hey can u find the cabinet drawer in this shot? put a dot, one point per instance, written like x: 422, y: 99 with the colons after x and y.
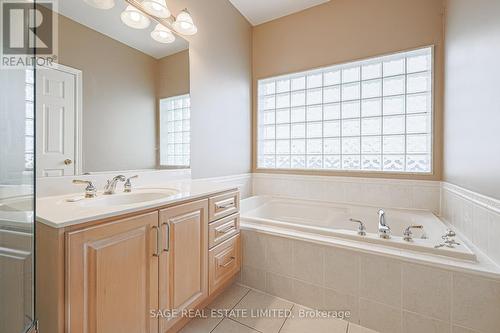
x: 224, y: 262
x: 223, y: 229
x: 223, y: 205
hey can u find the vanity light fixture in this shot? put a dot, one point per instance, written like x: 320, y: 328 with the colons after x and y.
x: 101, y: 4
x: 183, y: 24
x: 157, y: 8
x: 132, y: 17
x: 162, y: 34
x: 140, y: 13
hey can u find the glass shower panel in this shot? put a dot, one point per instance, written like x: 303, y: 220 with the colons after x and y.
x: 16, y: 200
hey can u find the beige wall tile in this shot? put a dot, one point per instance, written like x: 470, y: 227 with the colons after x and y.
x: 308, y: 262
x: 426, y: 197
x: 253, y: 277
x: 494, y: 243
x: 341, y: 270
x: 253, y: 248
x: 335, y: 301
x: 278, y: 285
x: 307, y: 294
x: 415, y: 323
x: 379, y: 317
x: 279, y: 255
x: 380, y: 280
x: 481, y: 230
x: 476, y: 303
x: 427, y: 291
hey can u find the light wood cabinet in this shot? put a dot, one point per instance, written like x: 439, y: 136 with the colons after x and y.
x: 183, y: 263
x: 116, y: 275
x: 112, y: 277
x: 224, y: 262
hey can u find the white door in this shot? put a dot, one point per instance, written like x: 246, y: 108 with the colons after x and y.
x: 56, y: 117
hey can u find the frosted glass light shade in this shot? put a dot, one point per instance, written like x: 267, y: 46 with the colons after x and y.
x: 156, y: 8
x: 162, y: 34
x: 132, y: 17
x: 101, y: 4
x: 184, y: 24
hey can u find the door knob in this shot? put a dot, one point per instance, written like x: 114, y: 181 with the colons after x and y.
x: 68, y: 161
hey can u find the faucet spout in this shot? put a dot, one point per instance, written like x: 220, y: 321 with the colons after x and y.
x: 384, y: 231
x: 111, y: 185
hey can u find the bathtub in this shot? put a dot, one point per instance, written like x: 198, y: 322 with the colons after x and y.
x: 333, y: 220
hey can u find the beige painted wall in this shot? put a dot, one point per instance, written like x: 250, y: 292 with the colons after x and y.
x: 472, y: 99
x: 119, y: 99
x: 173, y: 75
x: 345, y: 30
x: 220, y: 80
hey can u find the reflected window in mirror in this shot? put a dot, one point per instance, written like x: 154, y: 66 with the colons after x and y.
x: 175, y: 134
x: 29, y: 120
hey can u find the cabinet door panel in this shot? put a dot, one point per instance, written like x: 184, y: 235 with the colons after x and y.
x: 112, y: 277
x: 183, y: 263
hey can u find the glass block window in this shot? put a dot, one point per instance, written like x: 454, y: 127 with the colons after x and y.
x: 370, y: 115
x: 175, y: 115
x: 29, y: 141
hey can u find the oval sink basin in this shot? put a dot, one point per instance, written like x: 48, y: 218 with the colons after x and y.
x: 139, y: 196
x: 19, y: 204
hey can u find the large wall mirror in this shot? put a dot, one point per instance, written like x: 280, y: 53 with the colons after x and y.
x: 118, y: 100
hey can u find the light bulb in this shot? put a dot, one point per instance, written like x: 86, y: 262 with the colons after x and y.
x: 184, y: 24
x: 133, y: 18
x: 156, y: 8
x: 162, y: 34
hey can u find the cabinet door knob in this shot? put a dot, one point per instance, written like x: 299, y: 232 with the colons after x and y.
x: 68, y: 161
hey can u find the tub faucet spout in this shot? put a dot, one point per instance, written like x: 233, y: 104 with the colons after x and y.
x: 384, y: 231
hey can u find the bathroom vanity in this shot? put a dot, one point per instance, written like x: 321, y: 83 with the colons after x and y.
x: 134, y: 267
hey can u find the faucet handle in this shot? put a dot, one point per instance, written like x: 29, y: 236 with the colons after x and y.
x: 90, y: 190
x: 407, y: 234
x: 361, y: 228
x: 128, y: 184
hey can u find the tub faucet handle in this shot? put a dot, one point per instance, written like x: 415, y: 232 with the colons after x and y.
x: 449, y: 234
x: 361, y: 228
x: 407, y: 234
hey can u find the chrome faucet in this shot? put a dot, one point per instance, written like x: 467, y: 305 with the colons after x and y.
x: 127, y: 187
x: 361, y: 227
x: 111, y: 184
x: 384, y: 231
x: 90, y: 190
x: 407, y: 234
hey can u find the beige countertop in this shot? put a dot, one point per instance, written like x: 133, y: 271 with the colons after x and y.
x: 57, y: 212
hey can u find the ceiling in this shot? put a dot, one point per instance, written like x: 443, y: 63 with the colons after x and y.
x: 108, y: 22
x: 260, y: 11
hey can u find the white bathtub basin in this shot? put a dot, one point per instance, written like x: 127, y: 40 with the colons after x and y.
x: 332, y: 219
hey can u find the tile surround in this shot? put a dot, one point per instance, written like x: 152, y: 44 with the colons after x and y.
x: 387, y: 193
x: 384, y: 294
x: 475, y: 216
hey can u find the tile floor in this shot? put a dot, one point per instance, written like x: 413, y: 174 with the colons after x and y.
x: 241, y: 300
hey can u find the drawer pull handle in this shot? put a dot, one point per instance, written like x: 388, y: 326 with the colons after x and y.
x: 158, y: 241
x: 227, y: 263
x: 224, y: 205
x: 167, y: 245
x: 225, y: 230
